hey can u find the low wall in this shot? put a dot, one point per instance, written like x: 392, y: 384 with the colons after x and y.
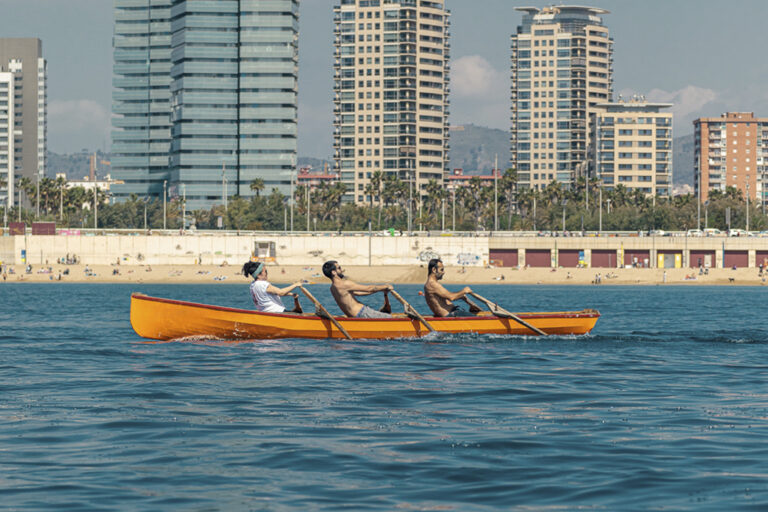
x: 312, y: 250
x: 216, y: 249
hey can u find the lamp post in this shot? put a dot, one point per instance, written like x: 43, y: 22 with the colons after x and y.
x: 565, y: 201
x: 165, y: 186
x: 453, y: 193
x: 224, y: 191
x: 293, y: 172
x: 95, y: 206
x: 37, y: 197
x: 706, y: 214
x: 600, y: 214
x: 5, y: 213
x: 495, y: 194
x: 747, y: 223
x: 183, y: 206
x: 307, y: 192
x: 410, y: 198
x: 145, y: 213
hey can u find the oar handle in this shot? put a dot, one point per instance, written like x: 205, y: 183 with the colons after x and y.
x: 499, y: 311
x: 325, y: 312
x: 411, y: 308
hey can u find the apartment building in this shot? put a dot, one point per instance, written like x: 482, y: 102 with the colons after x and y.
x: 206, y: 97
x: 562, y: 68
x: 631, y: 145
x: 7, y: 175
x: 728, y: 152
x: 390, y: 92
x: 23, y: 112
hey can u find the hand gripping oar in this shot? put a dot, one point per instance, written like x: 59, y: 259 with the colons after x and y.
x: 503, y: 313
x: 325, y: 312
x: 409, y: 308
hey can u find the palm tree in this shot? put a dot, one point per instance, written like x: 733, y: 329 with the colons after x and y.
x: 509, y: 189
x: 257, y: 185
x: 376, y: 180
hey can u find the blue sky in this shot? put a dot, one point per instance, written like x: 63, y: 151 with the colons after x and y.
x: 705, y: 56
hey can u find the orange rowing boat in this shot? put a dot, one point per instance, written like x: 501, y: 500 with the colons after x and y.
x: 166, y: 319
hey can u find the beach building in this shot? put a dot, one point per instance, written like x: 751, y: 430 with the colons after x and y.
x: 562, y: 68
x: 313, y: 178
x: 213, y: 85
x: 23, y: 113
x: 631, y: 145
x: 728, y: 152
x: 391, y: 64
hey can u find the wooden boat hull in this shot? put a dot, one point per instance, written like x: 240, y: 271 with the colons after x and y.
x: 166, y: 319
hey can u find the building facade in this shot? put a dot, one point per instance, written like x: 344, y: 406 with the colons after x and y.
x: 391, y: 65
x: 562, y: 67
x: 631, y: 145
x: 219, y: 105
x: 7, y: 189
x: 23, y: 113
x: 141, y: 138
x: 728, y: 152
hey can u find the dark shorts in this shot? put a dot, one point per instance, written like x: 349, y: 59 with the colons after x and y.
x: 457, y: 312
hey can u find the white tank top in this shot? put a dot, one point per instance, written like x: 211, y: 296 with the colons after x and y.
x: 267, y: 302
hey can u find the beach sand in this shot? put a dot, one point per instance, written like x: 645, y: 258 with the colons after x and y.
x: 416, y: 274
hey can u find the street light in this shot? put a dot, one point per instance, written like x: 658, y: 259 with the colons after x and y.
x: 165, y: 186
x: 495, y: 194
x: 565, y: 201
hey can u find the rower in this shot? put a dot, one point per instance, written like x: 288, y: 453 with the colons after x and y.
x: 266, y: 297
x: 440, y: 300
x: 345, y: 290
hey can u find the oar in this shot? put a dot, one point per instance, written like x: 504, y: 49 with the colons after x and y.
x: 325, y: 312
x: 501, y: 312
x: 412, y: 310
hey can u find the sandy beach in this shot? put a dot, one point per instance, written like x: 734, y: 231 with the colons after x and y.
x: 214, y: 274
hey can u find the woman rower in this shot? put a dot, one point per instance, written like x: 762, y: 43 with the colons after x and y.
x: 266, y: 297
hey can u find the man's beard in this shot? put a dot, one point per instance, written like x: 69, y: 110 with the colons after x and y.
x: 341, y: 276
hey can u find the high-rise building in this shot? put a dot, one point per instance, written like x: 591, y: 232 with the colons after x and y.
x: 631, y: 145
x: 141, y: 95
x: 6, y: 140
x: 23, y: 118
x: 219, y: 105
x: 562, y: 67
x: 728, y: 152
x: 390, y: 92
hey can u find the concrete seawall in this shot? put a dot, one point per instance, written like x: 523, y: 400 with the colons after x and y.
x: 214, y: 249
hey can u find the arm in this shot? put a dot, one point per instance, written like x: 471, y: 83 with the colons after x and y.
x: 359, y: 290
x: 283, y: 291
x: 441, y: 292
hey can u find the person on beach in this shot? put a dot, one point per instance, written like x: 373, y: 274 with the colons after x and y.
x: 345, y: 290
x: 440, y: 300
x: 266, y: 297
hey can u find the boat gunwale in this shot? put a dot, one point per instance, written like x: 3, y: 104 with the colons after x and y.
x: 575, y: 314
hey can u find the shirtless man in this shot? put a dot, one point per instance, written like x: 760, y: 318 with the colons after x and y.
x: 345, y: 290
x: 440, y: 300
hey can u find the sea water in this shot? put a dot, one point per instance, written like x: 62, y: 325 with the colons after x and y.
x: 664, y: 406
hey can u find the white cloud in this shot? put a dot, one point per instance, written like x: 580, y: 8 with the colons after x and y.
x: 688, y: 100
x: 78, y: 114
x: 475, y: 77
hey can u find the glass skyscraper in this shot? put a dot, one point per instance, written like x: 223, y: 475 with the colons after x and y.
x: 230, y: 99
x: 141, y: 139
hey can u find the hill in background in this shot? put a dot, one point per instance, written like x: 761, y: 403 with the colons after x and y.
x: 473, y: 149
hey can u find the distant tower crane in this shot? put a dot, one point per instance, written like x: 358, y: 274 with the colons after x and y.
x: 93, y: 166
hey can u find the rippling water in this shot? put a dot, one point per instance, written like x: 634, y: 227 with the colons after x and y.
x: 664, y: 406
